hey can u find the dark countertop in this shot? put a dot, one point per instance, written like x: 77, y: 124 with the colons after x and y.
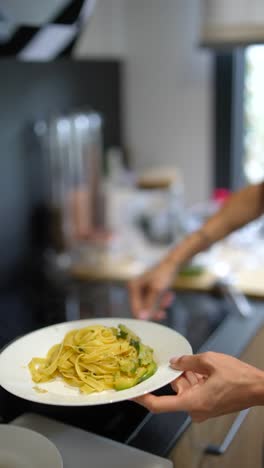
x: 161, y: 432
x: 21, y: 312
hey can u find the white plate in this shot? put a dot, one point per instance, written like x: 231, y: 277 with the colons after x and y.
x: 24, y: 448
x: 15, y: 376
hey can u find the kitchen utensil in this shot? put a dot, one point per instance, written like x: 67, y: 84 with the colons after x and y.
x: 72, y: 152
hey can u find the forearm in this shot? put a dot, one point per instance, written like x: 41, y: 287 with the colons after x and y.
x: 242, y: 207
x: 257, y: 389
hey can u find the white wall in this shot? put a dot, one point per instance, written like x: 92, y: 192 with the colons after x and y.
x: 105, y: 33
x: 167, y: 89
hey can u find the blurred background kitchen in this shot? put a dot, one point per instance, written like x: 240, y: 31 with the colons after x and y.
x: 124, y: 124
x: 128, y: 121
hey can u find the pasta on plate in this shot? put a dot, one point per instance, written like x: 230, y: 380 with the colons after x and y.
x: 96, y: 358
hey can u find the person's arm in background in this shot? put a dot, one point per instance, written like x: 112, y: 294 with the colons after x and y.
x: 241, y: 208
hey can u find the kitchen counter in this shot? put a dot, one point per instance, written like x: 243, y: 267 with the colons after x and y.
x: 130, y: 251
x: 76, y: 445
x: 249, y: 281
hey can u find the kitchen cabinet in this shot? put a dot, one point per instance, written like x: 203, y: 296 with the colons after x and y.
x: 247, y: 447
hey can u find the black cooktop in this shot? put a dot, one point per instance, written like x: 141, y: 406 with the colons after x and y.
x: 196, y: 317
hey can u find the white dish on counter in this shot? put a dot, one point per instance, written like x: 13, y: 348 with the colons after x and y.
x: 80, y: 448
x: 24, y: 448
x: 16, y: 379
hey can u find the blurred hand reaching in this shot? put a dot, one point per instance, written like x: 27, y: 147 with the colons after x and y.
x: 149, y: 295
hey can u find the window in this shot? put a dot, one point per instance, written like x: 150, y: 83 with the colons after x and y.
x: 239, y: 117
x: 253, y: 135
